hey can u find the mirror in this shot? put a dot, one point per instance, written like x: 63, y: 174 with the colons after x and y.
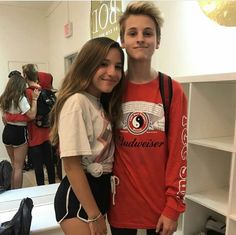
x: 23, y: 40
x: 37, y: 32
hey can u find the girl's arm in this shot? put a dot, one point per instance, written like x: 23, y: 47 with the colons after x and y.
x: 4, y: 120
x: 33, y: 109
x: 81, y: 188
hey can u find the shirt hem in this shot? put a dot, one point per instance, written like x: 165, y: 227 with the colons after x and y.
x: 132, y: 226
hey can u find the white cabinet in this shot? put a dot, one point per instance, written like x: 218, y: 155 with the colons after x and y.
x: 211, y: 182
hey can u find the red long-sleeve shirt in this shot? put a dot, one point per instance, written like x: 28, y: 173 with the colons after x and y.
x: 151, y: 167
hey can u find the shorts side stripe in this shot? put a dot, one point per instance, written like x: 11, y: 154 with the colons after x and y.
x: 67, y: 204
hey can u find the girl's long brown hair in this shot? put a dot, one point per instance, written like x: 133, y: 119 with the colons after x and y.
x: 13, y: 92
x: 80, y: 77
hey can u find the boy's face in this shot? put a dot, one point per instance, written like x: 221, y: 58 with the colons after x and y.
x: 140, y: 38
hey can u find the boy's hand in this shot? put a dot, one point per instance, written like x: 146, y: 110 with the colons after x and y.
x: 166, y: 226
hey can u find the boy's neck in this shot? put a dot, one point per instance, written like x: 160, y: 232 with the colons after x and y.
x: 140, y: 72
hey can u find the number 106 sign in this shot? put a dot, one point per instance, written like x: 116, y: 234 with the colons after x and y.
x: 104, y: 18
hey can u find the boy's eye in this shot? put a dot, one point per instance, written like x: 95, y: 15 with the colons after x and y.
x: 148, y: 33
x: 132, y: 33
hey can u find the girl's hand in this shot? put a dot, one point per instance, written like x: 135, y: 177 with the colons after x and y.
x: 98, y: 227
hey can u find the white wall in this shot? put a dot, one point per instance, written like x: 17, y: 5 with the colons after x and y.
x: 23, y: 39
x: 61, y: 46
x: 191, y: 43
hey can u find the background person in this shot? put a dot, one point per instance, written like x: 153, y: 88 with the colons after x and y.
x: 14, y: 135
x: 40, y: 149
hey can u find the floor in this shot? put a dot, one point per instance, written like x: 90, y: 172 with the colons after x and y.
x: 29, y: 178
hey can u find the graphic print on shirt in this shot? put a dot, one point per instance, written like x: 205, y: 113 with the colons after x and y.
x: 140, y: 117
x: 105, y: 139
x: 183, y: 169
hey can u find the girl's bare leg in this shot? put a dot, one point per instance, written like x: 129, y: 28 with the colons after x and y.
x: 75, y: 226
x: 10, y: 152
x: 19, y: 159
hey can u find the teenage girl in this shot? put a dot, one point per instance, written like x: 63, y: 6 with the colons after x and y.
x: 14, y: 101
x: 85, y: 114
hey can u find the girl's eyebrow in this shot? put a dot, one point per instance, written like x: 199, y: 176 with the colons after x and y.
x: 107, y: 60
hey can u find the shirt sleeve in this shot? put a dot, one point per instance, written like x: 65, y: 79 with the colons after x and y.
x: 74, y: 128
x: 176, y: 169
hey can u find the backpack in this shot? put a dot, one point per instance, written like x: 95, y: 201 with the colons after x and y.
x: 45, y: 102
x: 166, y: 90
x: 5, y: 175
x: 21, y: 222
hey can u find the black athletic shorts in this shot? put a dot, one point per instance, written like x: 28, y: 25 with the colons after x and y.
x: 68, y: 206
x: 14, y: 135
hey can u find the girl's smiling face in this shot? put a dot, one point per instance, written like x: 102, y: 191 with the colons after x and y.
x: 108, y: 74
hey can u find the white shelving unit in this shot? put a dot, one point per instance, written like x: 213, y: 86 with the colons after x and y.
x: 211, y: 181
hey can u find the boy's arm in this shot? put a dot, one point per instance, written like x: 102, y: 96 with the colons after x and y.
x: 176, y: 168
x: 9, y: 117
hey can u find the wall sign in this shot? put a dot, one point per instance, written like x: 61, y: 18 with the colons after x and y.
x: 104, y: 17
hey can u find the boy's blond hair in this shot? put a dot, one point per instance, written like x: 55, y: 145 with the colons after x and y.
x: 142, y: 8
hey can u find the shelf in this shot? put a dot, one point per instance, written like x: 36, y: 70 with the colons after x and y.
x: 211, y: 151
x: 10, y: 199
x: 228, y: 77
x: 220, y: 143
x: 216, y: 200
